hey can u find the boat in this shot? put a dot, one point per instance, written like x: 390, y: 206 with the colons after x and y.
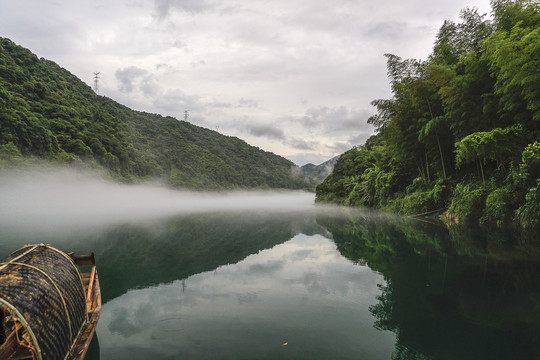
x: 50, y: 301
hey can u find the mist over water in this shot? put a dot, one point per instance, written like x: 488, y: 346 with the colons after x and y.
x: 63, y: 198
x: 208, y: 275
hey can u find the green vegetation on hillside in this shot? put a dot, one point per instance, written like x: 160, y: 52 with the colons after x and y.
x: 47, y: 113
x: 461, y: 132
x: 315, y: 174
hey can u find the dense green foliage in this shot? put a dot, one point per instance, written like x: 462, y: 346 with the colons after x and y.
x: 462, y: 130
x: 47, y: 113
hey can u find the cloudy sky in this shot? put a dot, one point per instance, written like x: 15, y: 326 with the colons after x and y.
x: 295, y: 77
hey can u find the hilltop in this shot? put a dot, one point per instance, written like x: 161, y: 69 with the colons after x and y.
x: 48, y: 113
x: 315, y: 174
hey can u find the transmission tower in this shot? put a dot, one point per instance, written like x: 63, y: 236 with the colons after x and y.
x: 186, y: 114
x: 96, y: 79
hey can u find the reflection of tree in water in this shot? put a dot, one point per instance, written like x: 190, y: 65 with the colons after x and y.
x: 136, y: 256
x: 480, y: 301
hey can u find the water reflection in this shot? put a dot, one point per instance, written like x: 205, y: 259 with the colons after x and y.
x: 330, y: 284
x: 142, y: 254
x: 301, y: 292
x: 447, y: 296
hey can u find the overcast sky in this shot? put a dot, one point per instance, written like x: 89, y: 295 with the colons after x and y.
x: 295, y: 77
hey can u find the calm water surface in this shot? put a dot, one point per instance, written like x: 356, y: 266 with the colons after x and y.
x: 310, y: 284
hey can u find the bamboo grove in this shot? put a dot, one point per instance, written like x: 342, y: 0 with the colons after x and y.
x: 460, y: 134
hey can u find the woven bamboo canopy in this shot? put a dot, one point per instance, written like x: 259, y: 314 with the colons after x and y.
x: 42, y: 290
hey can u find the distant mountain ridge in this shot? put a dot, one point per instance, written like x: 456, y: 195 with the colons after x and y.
x: 48, y: 113
x: 315, y: 174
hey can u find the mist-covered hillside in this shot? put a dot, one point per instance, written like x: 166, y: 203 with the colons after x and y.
x: 48, y: 113
x: 315, y: 174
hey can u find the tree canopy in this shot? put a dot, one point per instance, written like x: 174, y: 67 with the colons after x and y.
x: 460, y: 128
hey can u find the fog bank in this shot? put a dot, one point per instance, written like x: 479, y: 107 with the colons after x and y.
x: 70, y: 198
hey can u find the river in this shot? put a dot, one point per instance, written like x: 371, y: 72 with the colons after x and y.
x: 270, y: 280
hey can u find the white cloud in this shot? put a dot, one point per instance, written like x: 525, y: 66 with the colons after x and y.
x: 128, y: 76
x: 265, y: 130
x: 302, y: 144
x: 164, y: 7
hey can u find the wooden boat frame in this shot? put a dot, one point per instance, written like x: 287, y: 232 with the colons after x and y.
x: 93, y: 307
x: 12, y: 349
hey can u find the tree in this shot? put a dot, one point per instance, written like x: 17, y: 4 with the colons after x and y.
x: 513, y: 54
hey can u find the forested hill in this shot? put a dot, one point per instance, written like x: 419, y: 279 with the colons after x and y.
x: 48, y: 113
x: 461, y: 133
x: 315, y: 174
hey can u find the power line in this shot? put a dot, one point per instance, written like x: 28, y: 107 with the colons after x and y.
x: 96, y: 79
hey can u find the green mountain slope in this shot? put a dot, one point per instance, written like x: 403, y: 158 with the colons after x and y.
x: 48, y: 113
x: 315, y: 174
x: 461, y: 133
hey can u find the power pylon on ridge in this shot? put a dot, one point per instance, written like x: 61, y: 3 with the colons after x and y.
x: 186, y: 114
x: 96, y: 79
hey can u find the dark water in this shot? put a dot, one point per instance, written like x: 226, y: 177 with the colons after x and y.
x: 305, y: 285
